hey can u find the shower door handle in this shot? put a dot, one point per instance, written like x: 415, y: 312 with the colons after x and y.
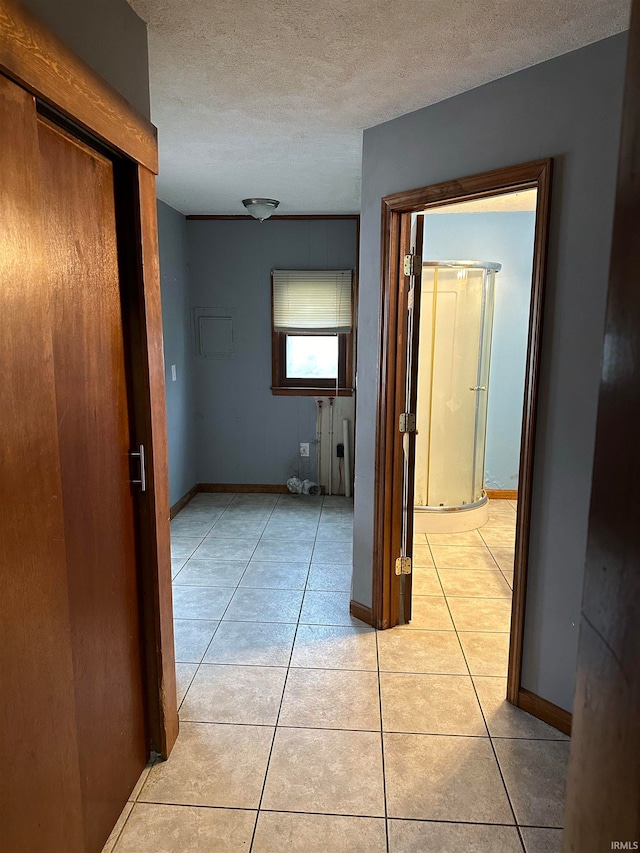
x: 477, y: 387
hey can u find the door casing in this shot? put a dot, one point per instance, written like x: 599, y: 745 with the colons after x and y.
x: 388, y: 468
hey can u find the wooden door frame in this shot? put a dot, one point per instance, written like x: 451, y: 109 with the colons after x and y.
x: 385, y: 598
x: 34, y: 58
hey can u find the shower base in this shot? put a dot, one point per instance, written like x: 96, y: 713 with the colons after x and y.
x: 451, y: 519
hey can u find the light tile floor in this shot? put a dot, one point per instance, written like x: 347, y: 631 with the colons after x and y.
x: 304, y: 730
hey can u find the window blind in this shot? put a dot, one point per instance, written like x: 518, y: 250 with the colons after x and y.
x: 312, y: 301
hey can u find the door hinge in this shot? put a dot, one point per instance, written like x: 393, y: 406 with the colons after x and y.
x: 407, y: 422
x: 403, y: 566
x: 412, y: 264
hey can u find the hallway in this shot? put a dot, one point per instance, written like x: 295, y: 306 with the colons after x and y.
x: 302, y: 729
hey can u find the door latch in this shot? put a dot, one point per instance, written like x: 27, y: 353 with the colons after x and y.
x: 407, y: 422
x: 139, y: 454
x: 403, y: 566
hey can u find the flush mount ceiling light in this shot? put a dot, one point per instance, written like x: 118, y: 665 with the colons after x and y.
x: 260, y: 208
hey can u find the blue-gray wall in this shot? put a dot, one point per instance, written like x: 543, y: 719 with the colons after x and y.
x: 108, y: 36
x: 508, y: 239
x: 568, y: 109
x: 245, y: 434
x: 178, y: 351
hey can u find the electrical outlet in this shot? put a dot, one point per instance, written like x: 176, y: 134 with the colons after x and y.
x: 174, y: 374
x: 304, y: 448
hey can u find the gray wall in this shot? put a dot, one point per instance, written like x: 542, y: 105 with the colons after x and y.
x: 109, y: 36
x: 178, y: 351
x: 244, y: 433
x: 569, y: 109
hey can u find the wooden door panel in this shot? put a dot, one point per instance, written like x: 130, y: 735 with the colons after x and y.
x: 603, y: 788
x: 94, y: 441
x: 411, y: 405
x: 38, y: 752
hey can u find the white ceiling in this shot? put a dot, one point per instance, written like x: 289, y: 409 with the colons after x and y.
x: 270, y: 97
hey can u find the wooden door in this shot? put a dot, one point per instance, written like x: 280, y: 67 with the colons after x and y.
x: 603, y: 793
x: 38, y: 738
x: 412, y: 239
x: 73, y: 715
x: 94, y: 438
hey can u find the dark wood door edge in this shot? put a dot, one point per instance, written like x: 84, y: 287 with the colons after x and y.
x: 544, y: 710
x: 35, y: 58
x: 361, y: 612
x: 534, y: 175
x: 603, y: 786
x: 184, y: 500
x: 151, y: 426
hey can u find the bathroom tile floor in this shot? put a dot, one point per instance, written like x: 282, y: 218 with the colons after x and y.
x: 304, y: 730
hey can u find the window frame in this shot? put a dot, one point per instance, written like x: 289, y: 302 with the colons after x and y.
x: 292, y: 386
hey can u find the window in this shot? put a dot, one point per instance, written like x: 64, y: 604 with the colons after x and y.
x: 312, y: 331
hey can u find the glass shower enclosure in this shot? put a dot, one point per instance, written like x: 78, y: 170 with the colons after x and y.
x: 456, y: 323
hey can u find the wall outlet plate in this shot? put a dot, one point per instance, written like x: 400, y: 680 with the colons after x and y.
x: 304, y: 448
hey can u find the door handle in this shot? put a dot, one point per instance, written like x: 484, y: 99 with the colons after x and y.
x: 477, y: 387
x: 139, y: 454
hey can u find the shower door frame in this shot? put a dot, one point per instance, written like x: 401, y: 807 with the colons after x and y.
x: 388, y: 473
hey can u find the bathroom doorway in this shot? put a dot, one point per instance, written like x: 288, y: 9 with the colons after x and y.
x: 458, y: 397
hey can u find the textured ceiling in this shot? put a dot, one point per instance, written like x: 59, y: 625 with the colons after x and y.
x: 270, y: 97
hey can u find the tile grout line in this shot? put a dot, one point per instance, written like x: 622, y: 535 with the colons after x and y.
x: 493, y: 750
x: 484, y: 719
x: 213, y: 524
x: 495, y: 755
x: 284, y: 687
x: 126, y: 821
x: 201, y: 661
x: 384, y: 773
x: 386, y: 731
x: 342, y: 814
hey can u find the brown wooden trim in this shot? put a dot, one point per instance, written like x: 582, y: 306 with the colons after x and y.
x: 311, y: 392
x: 382, y: 545
x: 184, y: 500
x: 483, y: 185
x: 528, y: 435
x: 151, y: 427
x: 544, y: 710
x: 245, y: 488
x: 534, y: 175
x: 247, y: 218
x: 502, y: 494
x: 32, y: 56
x: 361, y: 612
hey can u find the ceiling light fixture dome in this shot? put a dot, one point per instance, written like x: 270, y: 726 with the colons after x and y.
x: 260, y: 208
